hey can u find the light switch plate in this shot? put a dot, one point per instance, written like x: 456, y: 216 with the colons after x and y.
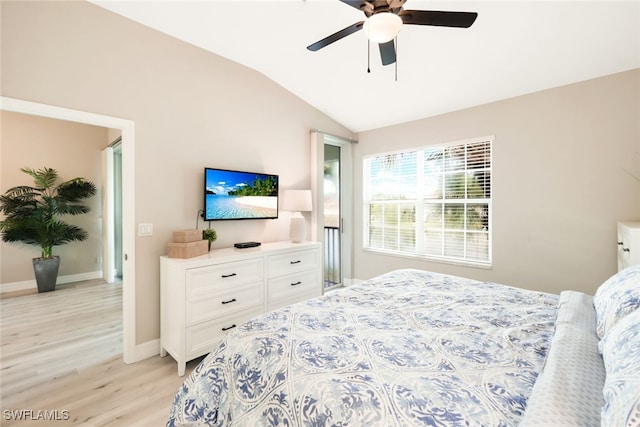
x: 145, y: 229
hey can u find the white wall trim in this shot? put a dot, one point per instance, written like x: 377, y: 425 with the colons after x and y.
x: 351, y: 282
x: 31, y: 284
x: 127, y: 128
x: 147, y: 350
x: 17, y: 286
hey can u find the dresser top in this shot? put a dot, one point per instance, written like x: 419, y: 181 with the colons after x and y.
x: 231, y: 253
x: 630, y: 224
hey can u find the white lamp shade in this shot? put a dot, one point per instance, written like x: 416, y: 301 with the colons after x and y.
x: 297, y: 200
x: 382, y: 27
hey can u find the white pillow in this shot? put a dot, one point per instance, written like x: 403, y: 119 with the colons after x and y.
x: 617, y: 297
x: 621, y: 354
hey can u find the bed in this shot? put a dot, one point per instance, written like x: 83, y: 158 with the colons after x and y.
x: 416, y: 348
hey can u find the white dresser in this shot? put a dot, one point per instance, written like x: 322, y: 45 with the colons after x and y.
x: 203, y: 298
x: 628, y: 244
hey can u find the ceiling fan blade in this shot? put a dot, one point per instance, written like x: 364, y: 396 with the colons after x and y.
x: 336, y: 36
x: 359, y: 4
x: 396, y: 4
x: 387, y: 52
x: 438, y: 18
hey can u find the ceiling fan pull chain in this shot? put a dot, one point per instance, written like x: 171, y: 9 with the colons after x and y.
x: 396, y: 64
x: 368, y: 56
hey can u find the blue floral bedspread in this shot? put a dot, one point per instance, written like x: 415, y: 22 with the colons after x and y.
x: 408, y: 348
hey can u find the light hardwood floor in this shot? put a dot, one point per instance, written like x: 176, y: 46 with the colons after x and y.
x: 61, y: 358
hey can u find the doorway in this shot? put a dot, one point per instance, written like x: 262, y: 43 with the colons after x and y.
x: 117, y: 206
x: 332, y: 219
x: 332, y: 271
x: 112, y: 267
x: 127, y: 130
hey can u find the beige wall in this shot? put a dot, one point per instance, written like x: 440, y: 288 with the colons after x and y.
x: 560, y: 155
x: 74, y: 151
x: 560, y: 181
x: 191, y: 109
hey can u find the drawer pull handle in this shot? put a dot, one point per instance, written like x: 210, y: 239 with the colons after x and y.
x: 230, y: 301
x: 296, y: 284
x: 620, y: 243
x: 229, y: 327
x: 625, y: 249
x: 295, y: 262
x: 224, y: 276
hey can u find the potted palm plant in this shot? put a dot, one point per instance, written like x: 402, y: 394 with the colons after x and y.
x: 32, y: 215
x: 210, y: 235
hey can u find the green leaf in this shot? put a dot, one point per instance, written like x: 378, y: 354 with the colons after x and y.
x: 32, y: 214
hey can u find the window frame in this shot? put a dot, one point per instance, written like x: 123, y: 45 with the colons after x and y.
x: 421, y: 201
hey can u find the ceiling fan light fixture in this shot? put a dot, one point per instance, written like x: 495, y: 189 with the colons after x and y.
x: 382, y: 27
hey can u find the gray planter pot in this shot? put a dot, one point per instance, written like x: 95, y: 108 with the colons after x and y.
x: 46, y: 271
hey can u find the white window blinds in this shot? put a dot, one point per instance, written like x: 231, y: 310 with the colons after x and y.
x: 432, y: 202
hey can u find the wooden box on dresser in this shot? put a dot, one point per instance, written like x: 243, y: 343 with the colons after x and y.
x: 203, y: 298
x: 628, y: 244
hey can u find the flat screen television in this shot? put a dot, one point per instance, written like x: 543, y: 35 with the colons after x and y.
x: 231, y: 194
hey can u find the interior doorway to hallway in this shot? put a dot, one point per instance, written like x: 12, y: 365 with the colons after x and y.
x: 127, y: 130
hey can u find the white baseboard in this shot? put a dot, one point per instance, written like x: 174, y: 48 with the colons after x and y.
x: 147, y: 350
x: 31, y: 284
x: 349, y: 282
x: 17, y: 286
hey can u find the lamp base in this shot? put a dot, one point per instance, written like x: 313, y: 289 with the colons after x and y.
x: 296, y: 230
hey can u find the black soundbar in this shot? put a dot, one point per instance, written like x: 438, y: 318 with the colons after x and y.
x: 244, y: 245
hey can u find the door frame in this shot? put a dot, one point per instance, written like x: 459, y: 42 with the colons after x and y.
x: 318, y: 141
x: 127, y: 128
x: 108, y: 215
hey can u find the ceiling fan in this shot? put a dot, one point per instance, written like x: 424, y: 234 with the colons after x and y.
x: 386, y: 17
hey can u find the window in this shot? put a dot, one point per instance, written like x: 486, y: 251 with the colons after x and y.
x: 432, y: 202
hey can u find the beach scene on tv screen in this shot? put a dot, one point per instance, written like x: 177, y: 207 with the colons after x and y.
x: 237, y: 195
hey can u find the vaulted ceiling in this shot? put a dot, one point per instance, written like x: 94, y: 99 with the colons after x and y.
x: 513, y: 48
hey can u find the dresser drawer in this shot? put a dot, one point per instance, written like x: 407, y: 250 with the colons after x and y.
x: 224, y: 300
x: 202, y: 298
x: 204, y: 282
x: 628, y: 245
x: 293, y: 262
x: 298, y: 286
x: 201, y: 339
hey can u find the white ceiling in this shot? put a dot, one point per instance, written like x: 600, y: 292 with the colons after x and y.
x: 514, y: 48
